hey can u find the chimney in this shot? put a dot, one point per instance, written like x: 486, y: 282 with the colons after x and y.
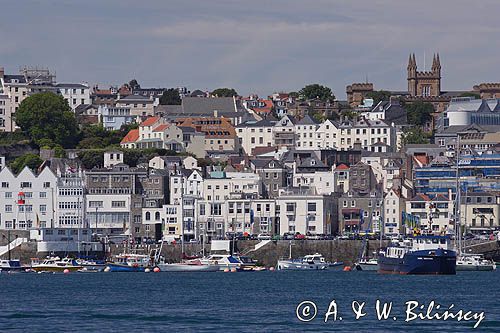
x: 215, y: 113
x: 2, y: 72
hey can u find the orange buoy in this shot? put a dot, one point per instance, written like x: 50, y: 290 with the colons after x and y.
x: 66, y: 271
x: 156, y: 270
x: 347, y: 268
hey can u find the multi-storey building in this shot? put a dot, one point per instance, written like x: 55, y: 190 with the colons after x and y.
x: 272, y: 173
x: 14, y: 89
x: 75, y: 94
x: 114, y: 200
x: 140, y: 106
x: 305, y: 212
x: 435, y: 213
x: 28, y: 200
x: 306, y: 133
x: 112, y: 118
x: 252, y: 134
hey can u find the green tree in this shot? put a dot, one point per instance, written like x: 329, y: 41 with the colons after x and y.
x: 91, y: 158
x: 419, y: 113
x: 224, y: 92
x: 314, y: 91
x: 293, y: 94
x: 170, y: 97
x: 30, y: 160
x: 378, y: 96
x: 415, y: 135
x: 48, y: 116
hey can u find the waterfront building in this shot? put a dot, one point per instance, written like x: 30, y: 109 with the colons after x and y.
x: 272, y: 173
x: 113, y: 200
x: 394, y: 205
x: 360, y: 211
x: 305, y: 130
x: 27, y: 199
x: 480, y: 211
x: 435, y: 212
x: 302, y: 210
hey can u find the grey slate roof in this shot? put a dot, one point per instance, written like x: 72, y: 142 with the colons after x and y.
x: 207, y: 106
x: 20, y: 78
x: 307, y: 120
x: 71, y: 85
x: 140, y: 98
x: 260, y: 123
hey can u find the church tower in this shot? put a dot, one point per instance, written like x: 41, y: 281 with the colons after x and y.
x: 424, y: 83
x: 412, y: 75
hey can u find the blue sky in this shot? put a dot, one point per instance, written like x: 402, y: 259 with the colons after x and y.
x: 253, y: 46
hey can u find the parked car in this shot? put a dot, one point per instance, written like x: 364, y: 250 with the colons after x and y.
x: 264, y: 236
x: 299, y: 236
x: 288, y: 236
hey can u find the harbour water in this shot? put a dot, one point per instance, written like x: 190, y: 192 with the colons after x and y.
x: 240, y: 302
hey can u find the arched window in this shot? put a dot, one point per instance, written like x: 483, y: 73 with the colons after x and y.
x: 157, y: 216
x: 148, y: 216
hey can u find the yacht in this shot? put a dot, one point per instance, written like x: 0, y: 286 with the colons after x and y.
x: 91, y: 265
x: 193, y: 265
x: 222, y: 261
x: 474, y: 262
x: 55, y: 264
x: 129, y: 263
x: 367, y: 264
x: 310, y: 262
x: 425, y: 254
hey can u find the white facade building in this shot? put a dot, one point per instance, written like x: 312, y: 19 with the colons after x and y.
x: 75, y: 94
x: 112, y: 118
x: 255, y: 134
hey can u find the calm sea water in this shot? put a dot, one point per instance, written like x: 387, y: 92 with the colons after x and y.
x: 241, y: 302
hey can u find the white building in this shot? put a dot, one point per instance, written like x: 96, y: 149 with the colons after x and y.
x: 306, y: 133
x: 75, y: 94
x: 139, y: 105
x: 304, y: 212
x: 13, y: 90
x: 27, y: 200
x: 394, y: 205
x: 255, y: 134
x: 435, y: 214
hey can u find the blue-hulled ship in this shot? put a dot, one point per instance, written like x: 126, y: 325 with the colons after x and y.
x: 419, y: 255
x: 129, y: 263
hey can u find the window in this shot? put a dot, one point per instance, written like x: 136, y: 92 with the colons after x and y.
x: 43, y: 194
x: 148, y: 216
x: 117, y: 204
x: 26, y: 184
x: 95, y: 204
x: 353, y: 203
x: 43, y: 208
x: 8, y: 208
x: 5, y: 184
x: 46, y: 184
x: 311, y: 207
x: 290, y: 207
x: 344, y: 204
x: 215, y: 209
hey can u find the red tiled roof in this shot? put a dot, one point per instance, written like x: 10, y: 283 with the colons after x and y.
x: 262, y: 150
x: 342, y: 167
x: 161, y: 127
x: 150, y: 121
x: 131, y: 136
x: 266, y: 109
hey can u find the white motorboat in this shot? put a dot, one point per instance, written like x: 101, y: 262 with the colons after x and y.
x: 474, y: 262
x: 222, y: 261
x: 367, y: 264
x: 55, y: 264
x: 194, y: 265
x: 310, y: 262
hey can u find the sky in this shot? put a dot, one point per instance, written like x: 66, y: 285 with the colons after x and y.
x: 256, y: 46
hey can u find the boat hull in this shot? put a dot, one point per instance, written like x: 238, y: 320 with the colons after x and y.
x: 179, y: 267
x: 471, y: 268
x: 125, y: 268
x: 366, y: 267
x: 55, y: 268
x: 299, y: 266
x: 435, y: 262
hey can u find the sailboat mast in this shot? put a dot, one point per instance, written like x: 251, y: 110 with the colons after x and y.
x: 457, y: 198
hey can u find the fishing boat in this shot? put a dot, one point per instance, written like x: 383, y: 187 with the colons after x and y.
x: 426, y: 254
x: 127, y: 262
x: 55, y: 264
x: 12, y: 265
x: 365, y: 264
x: 474, y: 262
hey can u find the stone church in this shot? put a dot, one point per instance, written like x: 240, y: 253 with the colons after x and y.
x: 424, y: 83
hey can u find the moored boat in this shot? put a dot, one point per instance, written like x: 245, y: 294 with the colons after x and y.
x: 310, y: 262
x: 55, y: 264
x: 367, y: 264
x: 12, y: 265
x: 194, y: 265
x: 474, y: 262
x: 129, y: 263
x: 222, y: 261
x: 418, y: 255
